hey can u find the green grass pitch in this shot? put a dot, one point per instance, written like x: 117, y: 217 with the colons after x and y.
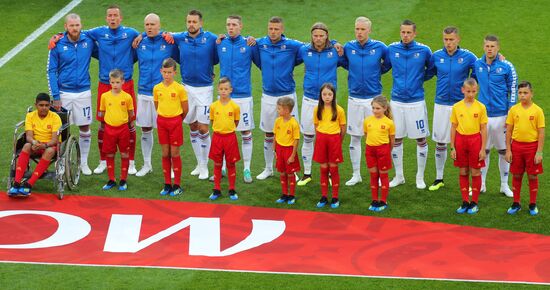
x: 520, y: 25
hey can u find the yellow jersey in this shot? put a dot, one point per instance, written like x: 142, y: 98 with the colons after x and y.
x: 378, y: 130
x: 42, y: 128
x: 526, y: 122
x: 116, y: 107
x: 223, y: 116
x: 286, y: 131
x: 326, y: 125
x: 169, y: 99
x: 468, y: 118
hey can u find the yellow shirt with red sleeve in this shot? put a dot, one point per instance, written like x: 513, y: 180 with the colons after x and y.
x: 42, y: 128
x: 116, y: 108
x: 169, y: 99
x: 526, y: 122
x: 469, y: 118
x: 378, y: 130
x: 326, y: 125
x: 286, y: 132
x: 223, y: 116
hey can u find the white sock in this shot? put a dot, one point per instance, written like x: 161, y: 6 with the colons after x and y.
x: 440, y: 159
x: 397, y: 157
x: 486, y: 168
x: 205, y: 147
x: 84, y: 142
x: 194, y: 136
x: 307, y: 153
x: 355, y: 154
x: 421, y: 157
x: 146, y: 146
x: 268, y: 152
x: 504, y: 168
x: 247, y: 150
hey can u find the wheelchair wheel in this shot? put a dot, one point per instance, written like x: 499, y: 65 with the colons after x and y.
x: 11, y: 174
x: 71, y: 157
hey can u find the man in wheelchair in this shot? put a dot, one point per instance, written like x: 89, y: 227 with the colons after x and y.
x: 41, y: 126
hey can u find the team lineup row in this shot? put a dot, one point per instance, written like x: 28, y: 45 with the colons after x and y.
x: 366, y: 60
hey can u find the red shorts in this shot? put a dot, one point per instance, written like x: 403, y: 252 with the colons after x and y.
x: 128, y: 87
x: 116, y: 136
x: 467, y: 151
x: 224, y: 145
x: 523, y: 158
x: 170, y: 130
x: 378, y: 156
x: 328, y: 148
x: 283, y: 153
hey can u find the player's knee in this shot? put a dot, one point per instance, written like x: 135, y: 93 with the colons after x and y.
x: 502, y: 152
x: 441, y: 145
x: 421, y: 142
x: 531, y: 176
x: 487, y: 151
x: 323, y: 165
x: 194, y: 126
x: 124, y: 155
x: 373, y: 169
x: 27, y: 147
x: 269, y: 134
x: 146, y: 129
x: 398, y: 142
x: 203, y: 128
x: 476, y: 172
x: 84, y: 128
x: 245, y: 133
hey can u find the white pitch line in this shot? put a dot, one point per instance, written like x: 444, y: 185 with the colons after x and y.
x: 18, y: 48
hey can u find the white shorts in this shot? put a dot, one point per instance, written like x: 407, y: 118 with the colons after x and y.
x: 411, y: 119
x: 268, y: 111
x: 358, y: 110
x: 199, y: 100
x: 306, y: 117
x: 146, y: 112
x: 246, y: 123
x: 80, y: 105
x: 442, y: 124
x: 496, y: 133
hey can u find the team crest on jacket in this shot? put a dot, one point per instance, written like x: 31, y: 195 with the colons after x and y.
x: 309, y: 53
x: 173, y: 95
x: 265, y: 46
x: 480, y: 69
x: 416, y: 55
x: 397, y: 54
x: 475, y: 115
x: 460, y: 60
x: 84, y: 45
x: 329, y: 54
x: 203, y: 40
x: 353, y: 51
x: 224, y: 49
x: 65, y: 48
x: 283, y: 47
x: 242, y: 49
x: 372, y: 52
x: 230, y: 114
x: 499, y: 70
x: 49, y: 126
x: 162, y: 47
x: 383, y: 127
x: 288, y: 132
x: 531, y: 118
x: 441, y: 60
x: 124, y: 35
x: 122, y: 103
x: 143, y: 47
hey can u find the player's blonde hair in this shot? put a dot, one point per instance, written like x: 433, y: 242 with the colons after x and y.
x: 365, y: 20
x: 116, y: 74
x: 470, y: 82
x: 383, y: 102
x: 286, y: 102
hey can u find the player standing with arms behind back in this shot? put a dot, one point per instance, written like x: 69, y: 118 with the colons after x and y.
x: 498, y: 92
x: 411, y: 66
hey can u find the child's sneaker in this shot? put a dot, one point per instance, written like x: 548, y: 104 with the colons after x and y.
x: 166, y: 190
x: 110, y: 184
x: 25, y: 189
x: 334, y: 203
x: 514, y: 208
x: 233, y: 194
x: 14, y: 189
x: 533, y: 209
x: 215, y: 194
x: 282, y: 199
x: 373, y: 205
x: 176, y: 190
x: 322, y: 202
x: 382, y: 206
x: 122, y: 185
x: 291, y: 199
x: 473, y: 208
x: 463, y: 208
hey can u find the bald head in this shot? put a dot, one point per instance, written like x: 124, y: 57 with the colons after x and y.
x: 152, y: 24
x: 73, y: 26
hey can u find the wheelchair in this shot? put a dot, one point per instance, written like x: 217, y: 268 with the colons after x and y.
x: 66, y: 172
